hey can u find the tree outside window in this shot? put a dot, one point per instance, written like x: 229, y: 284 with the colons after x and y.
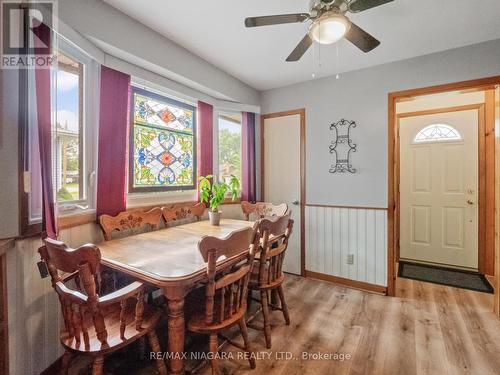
x: 229, y: 145
x: 68, y: 142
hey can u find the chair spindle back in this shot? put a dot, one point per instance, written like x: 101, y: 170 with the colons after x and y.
x: 275, y: 233
x: 227, y: 287
x: 84, y: 263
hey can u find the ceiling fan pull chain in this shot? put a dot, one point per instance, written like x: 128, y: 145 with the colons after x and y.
x: 338, y: 62
x: 314, y: 61
x: 319, y: 49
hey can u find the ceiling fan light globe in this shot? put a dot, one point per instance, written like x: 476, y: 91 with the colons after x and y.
x: 329, y: 29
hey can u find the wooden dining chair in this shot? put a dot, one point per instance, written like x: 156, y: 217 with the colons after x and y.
x: 130, y: 222
x: 96, y: 325
x: 183, y: 212
x: 229, y: 263
x: 263, y: 209
x: 267, y: 274
x: 125, y: 223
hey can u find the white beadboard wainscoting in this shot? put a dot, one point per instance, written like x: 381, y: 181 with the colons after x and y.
x: 332, y: 233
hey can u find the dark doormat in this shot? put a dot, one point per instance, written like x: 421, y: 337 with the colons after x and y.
x: 445, y: 276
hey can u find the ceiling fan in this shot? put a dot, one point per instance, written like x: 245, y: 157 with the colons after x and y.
x: 329, y: 24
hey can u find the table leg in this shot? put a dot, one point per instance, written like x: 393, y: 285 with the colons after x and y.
x: 176, y: 328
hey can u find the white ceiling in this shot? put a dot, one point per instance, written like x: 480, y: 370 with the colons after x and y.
x: 214, y: 30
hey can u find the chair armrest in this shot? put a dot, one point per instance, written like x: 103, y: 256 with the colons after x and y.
x: 121, y: 294
x: 71, y: 295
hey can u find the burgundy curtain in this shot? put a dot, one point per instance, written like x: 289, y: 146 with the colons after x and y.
x: 248, y: 183
x: 112, y: 152
x: 205, y: 141
x: 43, y: 105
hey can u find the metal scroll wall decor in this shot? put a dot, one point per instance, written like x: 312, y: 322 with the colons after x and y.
x: 342, y: 146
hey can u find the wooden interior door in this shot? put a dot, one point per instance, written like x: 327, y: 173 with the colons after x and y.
x: 439, y: 188
x: 282, y: 170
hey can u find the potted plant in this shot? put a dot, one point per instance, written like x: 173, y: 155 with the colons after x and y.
x: 214, y: 192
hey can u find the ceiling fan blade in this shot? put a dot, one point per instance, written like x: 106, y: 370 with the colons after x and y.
x: 276, y: 19
x: 361, y: 5
x: 361, y: 39
x: 301, y: 48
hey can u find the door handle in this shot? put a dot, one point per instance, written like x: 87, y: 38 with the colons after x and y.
x: 470, y: 202
x: 295, y: 202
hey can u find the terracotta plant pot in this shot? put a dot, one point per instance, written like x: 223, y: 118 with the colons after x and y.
x: 214, y: 217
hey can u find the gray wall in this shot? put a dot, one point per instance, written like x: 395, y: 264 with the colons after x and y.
x: 134, y: 42
x: 9, y: 83
x: 362, y: 96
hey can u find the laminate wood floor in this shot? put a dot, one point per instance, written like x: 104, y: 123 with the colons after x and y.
x: 426, y: 329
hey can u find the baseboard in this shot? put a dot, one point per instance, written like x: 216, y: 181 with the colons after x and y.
x: 361, y: 285
x: 54, y: 368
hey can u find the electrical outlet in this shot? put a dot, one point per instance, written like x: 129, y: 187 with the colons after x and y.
x: 350, y: 259
x: 42, y: 268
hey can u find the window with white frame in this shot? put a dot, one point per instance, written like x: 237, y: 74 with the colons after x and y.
x: 75, y: 125
x: 74, y: 81
x: 68, y: 141
x: 229, y: 145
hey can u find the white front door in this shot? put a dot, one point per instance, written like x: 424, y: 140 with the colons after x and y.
x: 439, y: 188
x: 282, y: 176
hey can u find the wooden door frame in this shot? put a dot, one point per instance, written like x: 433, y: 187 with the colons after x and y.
x: 302, y: 113
x: 488, y: 83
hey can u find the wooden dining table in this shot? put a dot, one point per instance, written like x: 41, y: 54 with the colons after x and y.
x: 169, y: 259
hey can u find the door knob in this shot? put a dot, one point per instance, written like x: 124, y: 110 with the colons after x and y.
x: 295, y: 202
x: 470, y: 201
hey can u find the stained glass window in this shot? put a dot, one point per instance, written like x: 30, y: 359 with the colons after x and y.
x: 437, y: 132
x: 163, y: 143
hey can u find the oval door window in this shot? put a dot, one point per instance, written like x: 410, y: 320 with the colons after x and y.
x: 437, y: 133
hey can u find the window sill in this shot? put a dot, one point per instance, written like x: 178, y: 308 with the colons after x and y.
x: 81, y: 217
x: 230, y: 201
x: 143, y: 200
x: 76, y: 218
